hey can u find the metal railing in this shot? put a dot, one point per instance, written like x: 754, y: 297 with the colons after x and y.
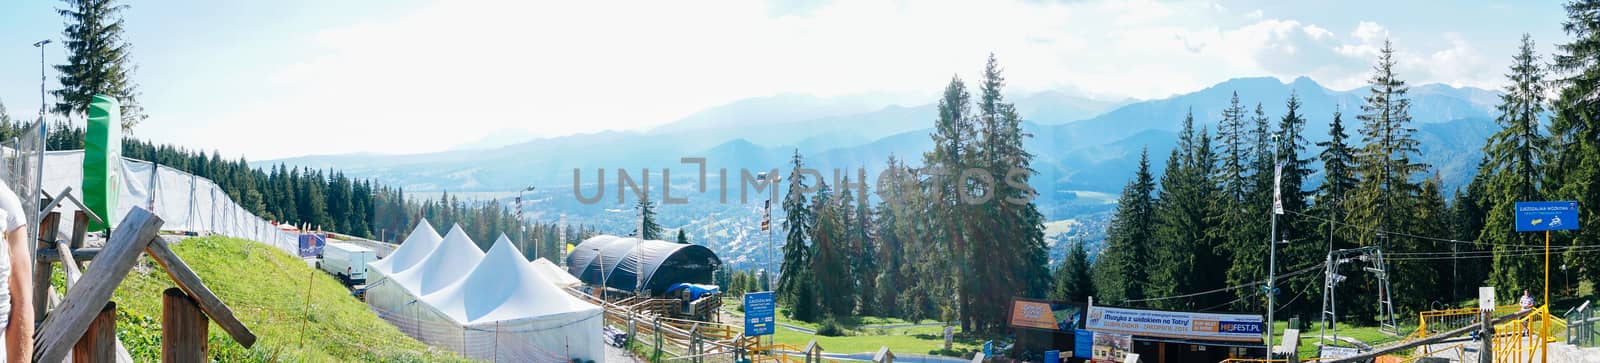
x: 1583, y: 326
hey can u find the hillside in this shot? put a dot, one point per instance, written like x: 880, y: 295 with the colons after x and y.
x: 267, y: 290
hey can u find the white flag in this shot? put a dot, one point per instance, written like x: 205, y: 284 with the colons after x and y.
x: 1277, y: 189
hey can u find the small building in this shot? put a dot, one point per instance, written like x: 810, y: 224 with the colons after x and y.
x: 1162, y: 336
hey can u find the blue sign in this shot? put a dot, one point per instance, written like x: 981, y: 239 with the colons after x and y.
x: 759, y: 313
x: 1082, y: 344
x: 311, y: 245
x: 1547, y: 216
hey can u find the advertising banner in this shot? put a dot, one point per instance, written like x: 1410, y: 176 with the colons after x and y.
x: 311, y: 245
x: 1045, y: 315
x: 1082, y: 344
x: 1111, y: 347
x: 1176, y: 324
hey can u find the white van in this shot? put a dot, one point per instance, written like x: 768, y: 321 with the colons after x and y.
x: 347, y: 261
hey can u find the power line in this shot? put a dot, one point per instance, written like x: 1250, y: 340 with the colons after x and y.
x: 1312, y: 267
x: 1404, y: 234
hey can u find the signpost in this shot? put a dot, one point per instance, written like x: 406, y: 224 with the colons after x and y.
x: 759, y: 313
x: 1546, y: 217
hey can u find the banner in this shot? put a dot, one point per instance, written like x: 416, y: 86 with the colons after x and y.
x: 1176, y: 324
x: 1045, y: 315
x: 1111, y: 347
x: 311, y: 244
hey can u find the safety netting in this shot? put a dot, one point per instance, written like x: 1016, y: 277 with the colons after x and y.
x: 185, y: 202
x: 493, y: 306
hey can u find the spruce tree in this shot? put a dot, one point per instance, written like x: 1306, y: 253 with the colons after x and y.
x: 97, y: 60
x: 1186, y: 254
x: 1386, y: 197
x: 682, y: 238
x: 953, y: 135
x: 1006, y: 232
x: 1121, y: 271
x: 1515, y: 157
x: 1303, y: 247
x: 794, y: 284
x: 1574, y: 163
x: 1072, y: 279
x: 651, y: 230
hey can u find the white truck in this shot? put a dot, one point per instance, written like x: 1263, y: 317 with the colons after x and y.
x: 347, y: 261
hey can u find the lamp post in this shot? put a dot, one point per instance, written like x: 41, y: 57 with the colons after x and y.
x: 33, y: 215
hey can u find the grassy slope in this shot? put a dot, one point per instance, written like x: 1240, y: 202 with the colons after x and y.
x: 266, y: 288
x: 915, y: 340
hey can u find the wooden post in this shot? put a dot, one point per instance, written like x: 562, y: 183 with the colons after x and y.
x: 80, y: 231
x: 1486, y: 337
x: 99, y: 344
x: 41, y: 268
x: 183, y: 328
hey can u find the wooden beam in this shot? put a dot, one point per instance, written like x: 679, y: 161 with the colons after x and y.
x: 99, y: 344
x: 183, y: 328
x: 49, y: 255
x: 84, y: 301
x: 69, y: 266
x: 196, y: 289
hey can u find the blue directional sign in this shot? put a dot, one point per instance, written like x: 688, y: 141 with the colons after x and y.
x: 759, y: 313
x: 1547, y: 216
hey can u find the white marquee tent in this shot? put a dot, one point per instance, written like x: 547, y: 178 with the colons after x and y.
x: 555, y: 274
x: 417, y: 245
x: 495, y: 306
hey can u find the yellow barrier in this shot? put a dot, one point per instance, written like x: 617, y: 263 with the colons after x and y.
x: 1518, y: 340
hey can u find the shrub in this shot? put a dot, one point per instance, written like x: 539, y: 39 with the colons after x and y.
x: 831, y: 328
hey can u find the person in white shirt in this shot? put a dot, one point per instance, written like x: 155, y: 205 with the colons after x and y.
x: 16, y: 273
x: 1527, y: 301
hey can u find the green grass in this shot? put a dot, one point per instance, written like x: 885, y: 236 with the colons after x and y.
x: 266, y: 288
x: 1366, y: 334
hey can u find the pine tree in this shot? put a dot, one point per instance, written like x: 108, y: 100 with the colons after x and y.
x: 1515, y: 157
x: 1073, y: 281
x: 1387, y: 194
x: 1006, y: 232
x: 1303, y: 247
x: 953, y: 136
x: 1120, y: 272
x: 1574, y: 163
x: 794, y: 287
x: 651, y: 230
x: 1185, y: 254
x: 97, y: 60
x: 682, y: 238
x: 1231, y: 207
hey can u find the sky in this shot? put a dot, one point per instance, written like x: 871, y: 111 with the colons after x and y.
x: 275, y: 79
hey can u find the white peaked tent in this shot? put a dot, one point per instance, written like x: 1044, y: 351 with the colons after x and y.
x: 383, y: 295
x: 453, y: 258
x: 554, y: 274
x: 507, y: 311
x: 416, y: 246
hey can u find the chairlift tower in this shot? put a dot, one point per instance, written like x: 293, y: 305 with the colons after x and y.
x: 1372, y: 261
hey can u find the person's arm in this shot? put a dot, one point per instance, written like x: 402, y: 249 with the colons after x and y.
x: 19, y: 333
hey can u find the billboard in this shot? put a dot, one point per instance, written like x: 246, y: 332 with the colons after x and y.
x: 1176, y: 324
x: 1044, y: 315
x: 311, y: 244
x: 1111, y: 347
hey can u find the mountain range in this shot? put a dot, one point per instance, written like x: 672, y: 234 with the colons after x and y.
x: 1085, y: 150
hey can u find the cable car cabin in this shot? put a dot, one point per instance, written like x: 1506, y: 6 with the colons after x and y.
x: 652, y: 272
